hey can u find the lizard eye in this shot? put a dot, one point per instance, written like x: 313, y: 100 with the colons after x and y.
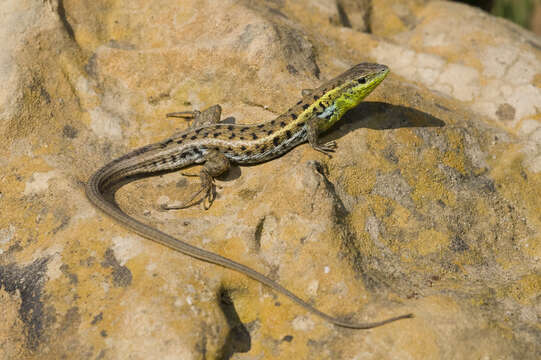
x: 362, y: 80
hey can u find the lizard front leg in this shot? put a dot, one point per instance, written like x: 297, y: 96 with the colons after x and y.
x: 312, y: 131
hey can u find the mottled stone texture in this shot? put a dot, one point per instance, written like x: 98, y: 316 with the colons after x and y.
x: 430, y: 205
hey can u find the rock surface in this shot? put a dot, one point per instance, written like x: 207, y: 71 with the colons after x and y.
x: 430, y: 205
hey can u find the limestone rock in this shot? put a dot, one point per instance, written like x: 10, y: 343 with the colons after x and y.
x: 429, y: 206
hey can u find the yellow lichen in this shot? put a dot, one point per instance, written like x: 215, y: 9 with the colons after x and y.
x: 357, y: 181
x: 524, y: 290
x: 429, y: 242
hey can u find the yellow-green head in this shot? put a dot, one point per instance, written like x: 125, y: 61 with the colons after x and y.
x: 347, y: 91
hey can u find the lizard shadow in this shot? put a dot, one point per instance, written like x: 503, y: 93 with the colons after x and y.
x: 383, y: 116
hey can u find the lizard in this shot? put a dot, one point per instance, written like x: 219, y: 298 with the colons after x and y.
x: 216, y: 146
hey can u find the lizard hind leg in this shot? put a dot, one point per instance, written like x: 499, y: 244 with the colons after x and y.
x: 209, y: 116
x: 215, y: 164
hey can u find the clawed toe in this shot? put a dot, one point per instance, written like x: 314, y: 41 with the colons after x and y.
x: 331, y: 145
x: 327, y: 148
x: 209, y: 195
x: 188, y: 115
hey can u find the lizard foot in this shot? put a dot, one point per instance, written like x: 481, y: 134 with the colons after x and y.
x: 208, y: 189
x: 326, y: 148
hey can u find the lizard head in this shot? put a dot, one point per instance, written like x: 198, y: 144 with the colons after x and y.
x: 347, y: 90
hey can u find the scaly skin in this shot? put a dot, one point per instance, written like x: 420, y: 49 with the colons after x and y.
x: 215, y: 146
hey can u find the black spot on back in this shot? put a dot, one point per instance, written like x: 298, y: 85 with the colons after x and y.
x: 197, y: 131
x: 316, y: 97
x: 230, y: 127
x: 254, y: 136
x: 244, y: 128
x: 248, y: 153
x: 282, y: 124
x: 273, y: 122
x: 216, y: 134
x: 260, y: 126
x: 305, y: 106
x: 193, y: 137
x: 263, y: 148
x: 288, y: 134
x: 276, y: 141
x: 232, y: 135
x: 184, y: 136
x: 242, y: 147
x: 293, y: 116
x: 269, y: 132
x: 299, y: 102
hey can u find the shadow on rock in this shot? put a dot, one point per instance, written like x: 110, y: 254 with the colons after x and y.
x: 384, y: 116
x: 238, y: 339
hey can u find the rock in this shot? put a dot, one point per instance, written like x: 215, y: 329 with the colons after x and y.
x: 430, y: 205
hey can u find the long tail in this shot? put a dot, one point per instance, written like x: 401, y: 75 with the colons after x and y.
x: 96, y: 196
